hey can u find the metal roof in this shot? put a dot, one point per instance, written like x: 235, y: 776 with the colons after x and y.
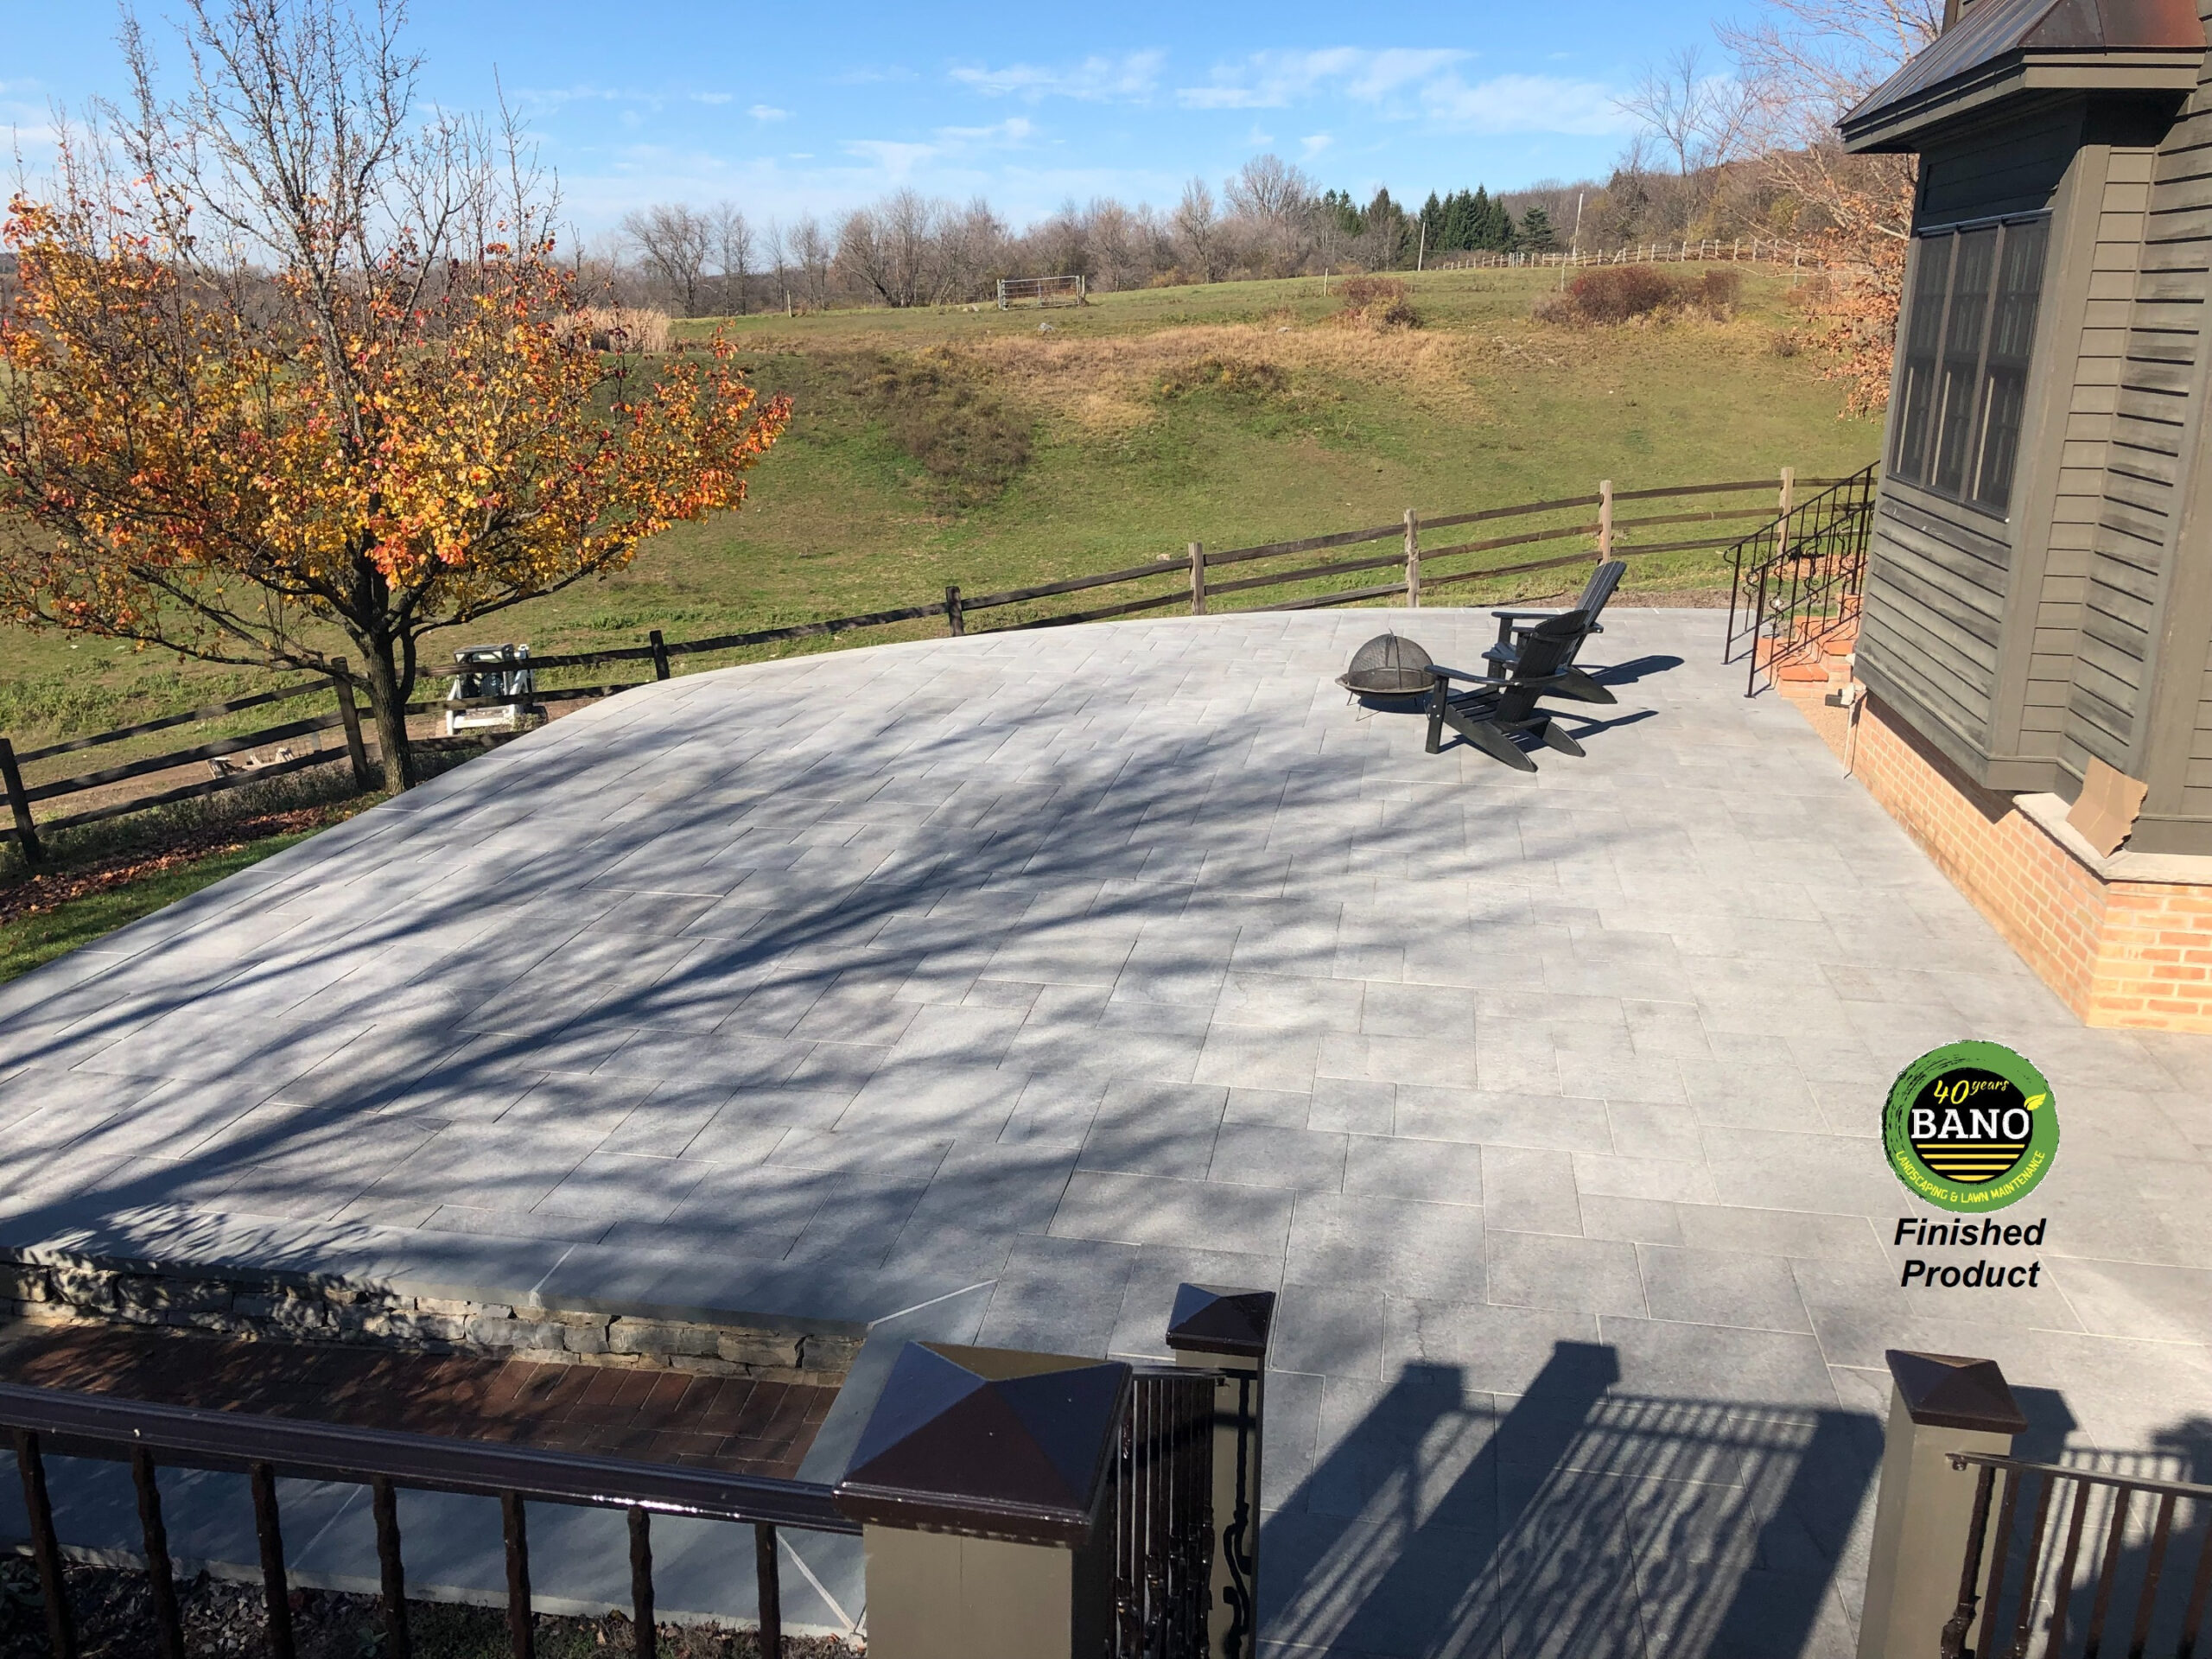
x: 2001, y: 48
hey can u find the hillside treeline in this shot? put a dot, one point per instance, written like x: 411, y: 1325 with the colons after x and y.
x: 1269, y: 220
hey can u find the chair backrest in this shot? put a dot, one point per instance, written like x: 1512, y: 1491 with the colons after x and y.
x: 1600, y: 588
x: 1551, y: 645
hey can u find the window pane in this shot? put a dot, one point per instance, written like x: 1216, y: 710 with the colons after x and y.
x: 1962, y: 338
x: 1923, y: 326
x: 2012, y: 328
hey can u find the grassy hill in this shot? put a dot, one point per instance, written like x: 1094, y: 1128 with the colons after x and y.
x: 999, y: 449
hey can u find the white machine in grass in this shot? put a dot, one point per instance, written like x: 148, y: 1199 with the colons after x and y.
x: 492, y: 672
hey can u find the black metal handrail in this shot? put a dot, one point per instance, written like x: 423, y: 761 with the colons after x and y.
x: 104, y: 1426
x: 2009, y: 1639
x: 1798, y: 578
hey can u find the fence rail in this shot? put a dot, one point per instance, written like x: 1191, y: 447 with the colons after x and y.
x: 147, y: 1435
x: 1736, y: 251
x: 2018, y: 1582
x: 1184, y: 581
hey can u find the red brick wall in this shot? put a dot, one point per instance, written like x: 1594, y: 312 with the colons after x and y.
x: 2120, y: 953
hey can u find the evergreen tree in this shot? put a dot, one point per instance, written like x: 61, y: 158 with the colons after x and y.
x: 1339, y: 204
x: 1393, y: 236
x: 1536, y: 235
x: 1452, y: 236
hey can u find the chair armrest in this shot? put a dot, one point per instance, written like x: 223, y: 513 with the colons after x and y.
x: 1526, y: 616
x: 1503, y: 656
x: 1444, y: 673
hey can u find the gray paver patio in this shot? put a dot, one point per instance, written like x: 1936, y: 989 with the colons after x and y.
x: 1078, y: 963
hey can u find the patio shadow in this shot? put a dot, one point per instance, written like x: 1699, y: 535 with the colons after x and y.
x: 1575, y: 1521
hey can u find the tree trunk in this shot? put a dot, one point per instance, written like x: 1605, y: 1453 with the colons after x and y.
x: 388, y: 699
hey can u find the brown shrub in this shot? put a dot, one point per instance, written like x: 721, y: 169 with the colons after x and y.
x: 1379, y: 301
x: 1784, y: 342
x: 1615, y: 293
x: 618, y: 328
x: 1718, y: 290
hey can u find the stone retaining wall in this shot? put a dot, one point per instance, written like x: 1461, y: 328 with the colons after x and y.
x: 55, y: 1290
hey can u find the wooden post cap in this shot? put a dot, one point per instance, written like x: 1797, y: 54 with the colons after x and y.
x: 988, y: 1443
x: 1207, y: 1320
x: 1951, y: 1391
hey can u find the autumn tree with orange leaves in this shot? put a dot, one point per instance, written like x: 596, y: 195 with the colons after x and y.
x: 282, y: 364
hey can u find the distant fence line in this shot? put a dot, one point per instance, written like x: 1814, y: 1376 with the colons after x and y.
x: 1753, y: 249
x: 1188, y: 581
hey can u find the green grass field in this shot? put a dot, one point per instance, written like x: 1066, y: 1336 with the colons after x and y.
x: 965, y: 446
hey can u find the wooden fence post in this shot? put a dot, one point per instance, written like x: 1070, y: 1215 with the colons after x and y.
x: 349, y: 715
x: 1197, y: 579
x: 954, y: 621
x: 1412, y: 559
x: 1787, y: 500
x: 11, y: 778
x: 1606, y: 519
x: 660, y: 654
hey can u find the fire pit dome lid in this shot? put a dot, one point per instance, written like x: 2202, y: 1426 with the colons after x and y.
x: 1389, y: 665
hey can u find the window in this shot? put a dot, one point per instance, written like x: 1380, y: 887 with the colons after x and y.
x: 1966, y: 333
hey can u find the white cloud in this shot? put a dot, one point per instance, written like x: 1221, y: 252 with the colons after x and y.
x: 1408, y: 82
x: 895, y: 160
x: 1271, y: 80
x: 1096, y: 79
x: 1524, y: 103
x: 768, y: 112
x: 1011, y: 133
x: 712, y: 97
x: 1313, y: 143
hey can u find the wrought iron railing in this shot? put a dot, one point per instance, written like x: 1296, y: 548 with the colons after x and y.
x: 1796, y: 580
x: 1162, y: 1515
x: 2034, y: 1586
x: 102, y: 1426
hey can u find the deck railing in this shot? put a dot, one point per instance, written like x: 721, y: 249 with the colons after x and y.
x: 1796, y: 581
x: 150, y: 1436
x: 2020, y: 1582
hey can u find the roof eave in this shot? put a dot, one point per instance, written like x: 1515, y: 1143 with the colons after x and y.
x: 1907, y: 124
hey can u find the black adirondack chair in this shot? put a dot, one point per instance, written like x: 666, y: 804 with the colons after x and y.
x: 1513, y: 627
x: 1540, y: 664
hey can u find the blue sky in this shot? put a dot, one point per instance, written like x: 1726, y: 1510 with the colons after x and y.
x: 796, y: 107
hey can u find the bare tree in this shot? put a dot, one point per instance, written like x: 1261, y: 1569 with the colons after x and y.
x: 1277, y: 198
x: 675, y: 244
x: 813, y: 253
x: 1702, y: 120
x: 1198, y: 226
x: 734, y: 252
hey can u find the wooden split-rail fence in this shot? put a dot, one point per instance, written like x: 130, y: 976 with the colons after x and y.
x: 1419, y: 564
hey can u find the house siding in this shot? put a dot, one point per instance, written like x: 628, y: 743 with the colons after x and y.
x: 2092, y: 416
x: 2154, y: 431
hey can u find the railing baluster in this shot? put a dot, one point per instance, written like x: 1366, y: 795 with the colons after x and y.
x: 46, y: 1547
x: 768, y: 1597
x: 2024, y: 1625
x: 392, y: 1568
x: 1954, y: 1631
x: 2192, y: 1624
x: 520, y: 1640
x: 160, y: 1582
x: 2062, y: 1586
x: 642, y: 1628
x: 276, y: 1591
x: 1996, y: 1593
x: 2161, y: 1530
x: 2115, y: 1530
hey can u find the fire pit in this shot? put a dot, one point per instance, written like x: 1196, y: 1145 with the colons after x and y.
x: 1389, y: 665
